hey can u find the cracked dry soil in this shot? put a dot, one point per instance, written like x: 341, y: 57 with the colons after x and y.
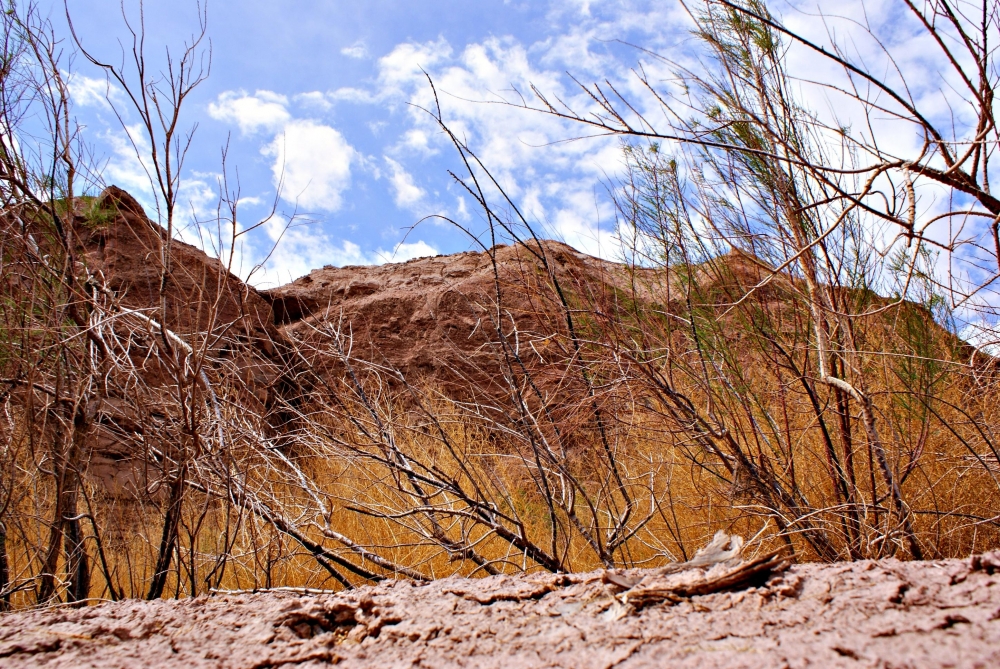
x: 862, y: 614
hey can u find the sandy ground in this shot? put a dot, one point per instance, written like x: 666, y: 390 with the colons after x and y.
x: 863, y: 614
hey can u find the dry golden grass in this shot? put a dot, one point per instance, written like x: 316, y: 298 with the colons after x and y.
x: 948, y: 491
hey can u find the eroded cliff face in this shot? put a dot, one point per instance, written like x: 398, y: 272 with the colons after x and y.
x: 203, y: 303
x: 861, y: 614
x: 201, y: 294
x: 433, y: 319
x: 436, y: 319
x: 434, y: 322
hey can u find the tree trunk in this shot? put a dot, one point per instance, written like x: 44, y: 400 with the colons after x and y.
x: 4, y: 570
x: 76, y: 555
x: 168, y: 538
x: 66, y: 528
x: 47, y: 580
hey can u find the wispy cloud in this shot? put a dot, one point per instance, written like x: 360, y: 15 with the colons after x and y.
x: 263, y: 110
x: 294, y: 250
x: 314, y: 100
x: 92, y: 92
x: 405, y: 192
x: 358, y: 50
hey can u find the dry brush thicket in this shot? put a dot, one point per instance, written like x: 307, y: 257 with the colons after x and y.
x: 773, y: 359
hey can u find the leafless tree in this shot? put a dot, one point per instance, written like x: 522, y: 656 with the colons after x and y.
x: 753, y: 172
x: 766, y: 359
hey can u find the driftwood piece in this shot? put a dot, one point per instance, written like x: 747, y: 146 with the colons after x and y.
x: 716, y: 579
x: 715, y: 568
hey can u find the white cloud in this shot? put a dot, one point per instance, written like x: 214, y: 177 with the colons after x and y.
x: 314, y: 99
x: 418, y: 141
x: 250, y: 201
x: 264, y: 110
x: 197, y: 220
x: 300, y: 248
x: 297, y: 249
x: 356, y: 95
x: 92, y: 92
x: 461, y: 210
x: 552, y: 181
x: 312, y: 162
x: 125, y: 167
x: 401, y: 67
x: 358, y: 50
x: 406, y: 251
x: 405, y: 192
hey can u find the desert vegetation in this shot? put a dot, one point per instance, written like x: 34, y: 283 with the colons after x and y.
x: 777, y: 353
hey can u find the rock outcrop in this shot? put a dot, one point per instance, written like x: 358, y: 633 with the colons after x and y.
x: 435, y: 319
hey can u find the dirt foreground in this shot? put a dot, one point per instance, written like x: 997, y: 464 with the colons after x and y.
x: 862, y: 614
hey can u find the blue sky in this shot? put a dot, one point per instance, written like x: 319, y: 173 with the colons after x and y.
x: 322, y: 94
x: 326, y: 95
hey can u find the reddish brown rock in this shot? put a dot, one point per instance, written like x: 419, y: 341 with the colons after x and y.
x: 205, y: 304
x: 120, y: 242
x: 434, y: 319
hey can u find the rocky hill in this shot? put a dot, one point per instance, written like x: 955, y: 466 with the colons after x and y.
x: 473, y: 323
x: 478, y: 404
x: 434, y: 322
x: 436, y: 319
